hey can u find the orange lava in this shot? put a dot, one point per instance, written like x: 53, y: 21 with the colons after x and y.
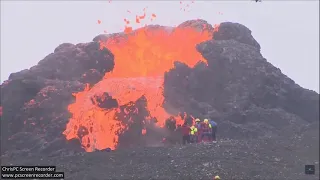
x: 141, y: 59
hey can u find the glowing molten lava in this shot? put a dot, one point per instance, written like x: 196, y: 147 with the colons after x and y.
x: 141, y: 59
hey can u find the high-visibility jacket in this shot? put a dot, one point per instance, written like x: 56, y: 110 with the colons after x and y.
x: 193, y: 130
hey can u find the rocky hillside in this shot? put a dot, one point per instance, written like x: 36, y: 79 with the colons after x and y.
x: 267, y: 122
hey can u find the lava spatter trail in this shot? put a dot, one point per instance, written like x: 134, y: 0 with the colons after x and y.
x: 141, y: 59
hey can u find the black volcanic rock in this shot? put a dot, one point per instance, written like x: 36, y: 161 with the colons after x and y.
x: 92, y: 76
x: 70, y: 62
x: 64, y: 47
x: 247, y: 78
x: 236, y: 31
x: 104, y: 101
x: 198, y: 24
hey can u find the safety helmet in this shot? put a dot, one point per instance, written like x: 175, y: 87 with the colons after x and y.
x: 197, y: 120
x: 205, y: 120
x: 216, y: 178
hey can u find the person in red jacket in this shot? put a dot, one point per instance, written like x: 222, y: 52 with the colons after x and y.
x: 185, y: 129
x: 206, y: 130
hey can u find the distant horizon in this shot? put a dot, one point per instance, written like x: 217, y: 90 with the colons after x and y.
x: 273, y: 25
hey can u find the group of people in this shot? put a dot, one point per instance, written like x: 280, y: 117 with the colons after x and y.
x: 202, y: 131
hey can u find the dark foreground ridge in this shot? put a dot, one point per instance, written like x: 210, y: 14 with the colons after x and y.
x: 268, y: 125
x: 262, y: 159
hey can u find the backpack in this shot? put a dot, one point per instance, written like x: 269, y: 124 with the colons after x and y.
x: 213, y: 123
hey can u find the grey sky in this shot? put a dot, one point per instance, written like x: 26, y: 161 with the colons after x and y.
x: 288, y: 32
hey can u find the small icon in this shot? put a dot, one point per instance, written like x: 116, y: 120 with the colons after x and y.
x: 309, y: 169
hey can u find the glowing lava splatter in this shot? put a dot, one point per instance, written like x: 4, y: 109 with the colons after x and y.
x: 185, y: 5
x: 141, y: 59
x: 138, y: 20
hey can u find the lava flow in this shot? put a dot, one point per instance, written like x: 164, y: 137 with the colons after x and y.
x: 141, y: 59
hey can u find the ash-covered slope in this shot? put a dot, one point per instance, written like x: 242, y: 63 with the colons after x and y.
x: 260, y: 159
x: 248, y: 96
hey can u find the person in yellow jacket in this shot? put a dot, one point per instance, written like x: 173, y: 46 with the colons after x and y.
x: 198, y: 126
x: 193, y: 134
x: 216, y: 178
x: 207, y: 122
